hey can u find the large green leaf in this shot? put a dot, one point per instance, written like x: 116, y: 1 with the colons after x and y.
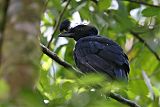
x: 104, y: 4
x: 151, y: 11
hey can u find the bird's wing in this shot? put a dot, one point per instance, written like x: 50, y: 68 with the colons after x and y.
x: 99, y: 54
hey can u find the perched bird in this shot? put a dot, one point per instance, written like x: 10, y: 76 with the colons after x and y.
x: 95, y: 53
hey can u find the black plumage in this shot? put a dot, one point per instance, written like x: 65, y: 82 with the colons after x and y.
x: 64, y: 25
x: 95, y: 53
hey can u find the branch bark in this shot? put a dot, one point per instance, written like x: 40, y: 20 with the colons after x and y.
x: 146, y: 44
x: 56, y: 58
x: 58, y: 23
x: 123, y: 100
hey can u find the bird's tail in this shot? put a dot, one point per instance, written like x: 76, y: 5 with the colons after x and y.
x: 121, y: 74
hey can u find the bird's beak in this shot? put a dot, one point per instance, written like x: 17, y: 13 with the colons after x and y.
x: 66, y: 34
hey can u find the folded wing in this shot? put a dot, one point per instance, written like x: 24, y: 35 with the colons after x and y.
x: 99, y: 54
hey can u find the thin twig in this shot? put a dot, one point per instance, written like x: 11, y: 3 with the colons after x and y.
x: 146, y: 44
x: 149, y: 85
x: 144, y: 3
x: 58, y: 22
x: 45, y: 6
x: 123, y: 100
x: 56, y: 58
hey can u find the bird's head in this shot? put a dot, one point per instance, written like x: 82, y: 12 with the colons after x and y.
x: 65, y: 25
x: 77, y: 32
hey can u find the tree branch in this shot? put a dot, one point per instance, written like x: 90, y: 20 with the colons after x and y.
x: 58, y: 22
x: 45, y: 6
x: 56, y: 58
x: 68, y: 66
x: 144, y: 3
x: 123, y: 100
x: 146, y: 44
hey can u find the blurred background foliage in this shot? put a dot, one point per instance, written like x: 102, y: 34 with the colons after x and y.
x: 135, y: 26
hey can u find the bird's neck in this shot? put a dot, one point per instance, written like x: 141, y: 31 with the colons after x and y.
x: 79, y: 37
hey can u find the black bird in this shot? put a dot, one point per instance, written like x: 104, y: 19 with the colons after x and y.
x: 95, y: 53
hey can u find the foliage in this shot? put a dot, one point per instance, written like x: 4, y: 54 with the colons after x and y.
x: 115, y: 20
x: 60, y: 87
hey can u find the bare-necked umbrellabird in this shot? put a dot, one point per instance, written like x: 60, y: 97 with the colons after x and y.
x: 95, y: 53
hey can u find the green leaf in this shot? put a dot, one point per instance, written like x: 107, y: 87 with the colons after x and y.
x: 104, y: 4
x: 151, y: 11
x: 4, y: 90
x: 138, y: 87
x: 31, y: 99
x: 91, y: 79
x: 69, y: 51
